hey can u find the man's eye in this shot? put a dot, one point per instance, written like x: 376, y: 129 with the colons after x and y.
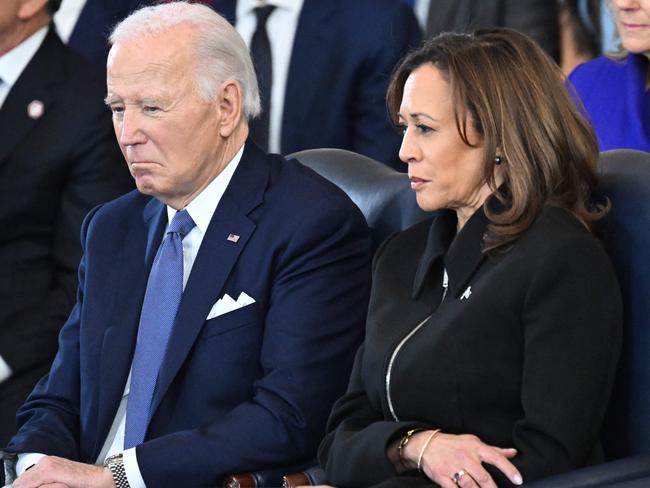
x: 117, y: 109
x: 151, y: 109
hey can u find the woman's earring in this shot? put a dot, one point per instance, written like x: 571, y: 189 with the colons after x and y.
x: 497, y: 160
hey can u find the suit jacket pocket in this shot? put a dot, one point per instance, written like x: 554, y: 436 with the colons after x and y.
x: 231, y: 320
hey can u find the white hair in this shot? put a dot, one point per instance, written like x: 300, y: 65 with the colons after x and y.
x: 221, y: 53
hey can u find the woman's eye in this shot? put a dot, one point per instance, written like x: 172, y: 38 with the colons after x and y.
x: 401, y: 128
x: 424, y: 129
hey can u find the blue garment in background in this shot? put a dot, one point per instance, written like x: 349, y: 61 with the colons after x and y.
x: 617, y: 102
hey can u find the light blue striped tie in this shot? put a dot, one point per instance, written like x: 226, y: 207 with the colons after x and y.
x: 161, y: 300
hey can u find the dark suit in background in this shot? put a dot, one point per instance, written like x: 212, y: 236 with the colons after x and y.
x: 53, y: 169
x: 90, y: 34
x: 342, y: 57
x: 536, y: 18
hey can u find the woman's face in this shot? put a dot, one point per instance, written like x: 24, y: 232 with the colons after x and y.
x: 444, y: 171
x: 633, y: 24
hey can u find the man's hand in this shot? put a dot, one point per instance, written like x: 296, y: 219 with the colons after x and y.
x: 56, y: 472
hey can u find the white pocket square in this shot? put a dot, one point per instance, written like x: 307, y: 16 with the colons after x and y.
x: 227, y: 304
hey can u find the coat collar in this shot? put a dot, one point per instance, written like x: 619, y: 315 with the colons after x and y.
x: 460, y: 252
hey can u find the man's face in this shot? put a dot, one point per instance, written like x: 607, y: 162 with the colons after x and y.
x: 167, y: 132
x: 9, y: 23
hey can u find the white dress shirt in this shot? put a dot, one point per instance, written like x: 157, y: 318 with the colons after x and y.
x: 201, y: 210
x: 281, y: 28
x: 14, y: 62
x: 421, y: 10
x: 66, y: 17
x: 12, y: 65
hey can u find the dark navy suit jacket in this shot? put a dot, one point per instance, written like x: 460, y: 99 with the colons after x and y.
x: 249, y: 389
x: 343, y: 54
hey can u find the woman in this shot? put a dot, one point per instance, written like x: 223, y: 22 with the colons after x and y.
x: 494, y: 329
x: 615, y: 91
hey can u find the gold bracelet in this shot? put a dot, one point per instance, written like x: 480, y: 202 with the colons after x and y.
x: 405, y: 440
x: 424, y: 447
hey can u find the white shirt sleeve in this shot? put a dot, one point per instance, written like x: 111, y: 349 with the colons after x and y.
x: 132, y: 469
x: 27, y: 459
x: 5, y: 370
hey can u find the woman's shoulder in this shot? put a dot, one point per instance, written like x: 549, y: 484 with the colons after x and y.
x: 558, y: 232
x: 403, y: 244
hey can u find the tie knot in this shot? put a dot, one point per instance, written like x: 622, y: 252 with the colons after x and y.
x: 181, y: 224
x: 263, y: 13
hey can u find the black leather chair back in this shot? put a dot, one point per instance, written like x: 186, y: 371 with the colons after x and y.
x: 383, y: 194
x: 625, y: 179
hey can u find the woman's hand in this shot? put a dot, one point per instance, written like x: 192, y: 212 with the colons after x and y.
x: 455, y: 460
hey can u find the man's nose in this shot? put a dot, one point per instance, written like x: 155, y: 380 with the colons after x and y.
x: 129, y: 130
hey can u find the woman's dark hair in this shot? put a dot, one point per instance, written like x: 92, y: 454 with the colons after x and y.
x: 514, y: 96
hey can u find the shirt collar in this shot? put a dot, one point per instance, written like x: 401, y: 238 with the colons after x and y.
x: 13, y: 63
x: 202, y: 207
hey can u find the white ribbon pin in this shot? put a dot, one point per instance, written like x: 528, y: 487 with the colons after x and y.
x: 466, y: 294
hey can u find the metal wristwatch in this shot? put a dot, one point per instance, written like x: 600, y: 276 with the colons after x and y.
x: 116, y: 466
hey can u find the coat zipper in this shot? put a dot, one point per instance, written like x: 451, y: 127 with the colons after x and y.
x: 445, y: 284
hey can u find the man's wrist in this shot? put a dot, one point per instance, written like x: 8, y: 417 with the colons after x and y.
x: 115, y: 467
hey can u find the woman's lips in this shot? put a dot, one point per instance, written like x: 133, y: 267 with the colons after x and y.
x: 416, y: 182
x: 633, y: 27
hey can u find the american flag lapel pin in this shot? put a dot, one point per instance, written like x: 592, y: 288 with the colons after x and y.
x: 233, y: 237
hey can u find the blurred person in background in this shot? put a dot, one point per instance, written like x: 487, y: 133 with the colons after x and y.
x: 614, y: 89
x: 580, y: 32
x: 323, y: 69
x: 535, y: 18
x: 58, y: 159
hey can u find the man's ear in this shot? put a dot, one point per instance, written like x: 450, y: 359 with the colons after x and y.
x: 30, y: 8
x: 229, y: 104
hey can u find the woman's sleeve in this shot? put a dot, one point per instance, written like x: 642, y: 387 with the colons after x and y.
x: 572, y: 326
x: 353, y: 452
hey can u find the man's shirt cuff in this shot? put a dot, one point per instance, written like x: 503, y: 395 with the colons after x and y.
x: 132, y: 469
x: 27, y: 459
x: 5, y: 370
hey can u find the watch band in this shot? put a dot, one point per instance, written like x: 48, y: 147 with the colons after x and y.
x: 116, y: 466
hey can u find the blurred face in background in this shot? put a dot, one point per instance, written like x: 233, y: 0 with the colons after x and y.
x: 633, y: 24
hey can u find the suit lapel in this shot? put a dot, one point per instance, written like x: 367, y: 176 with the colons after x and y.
x: 309, y: 60
x: 215, y: 260
x: 120, y: 337
x: 34, y: 84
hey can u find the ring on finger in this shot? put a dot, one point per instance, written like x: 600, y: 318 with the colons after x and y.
x: 458, y: 475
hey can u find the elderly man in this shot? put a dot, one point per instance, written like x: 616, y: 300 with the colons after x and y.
x: 219, y: 307
x: 58, y: 160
